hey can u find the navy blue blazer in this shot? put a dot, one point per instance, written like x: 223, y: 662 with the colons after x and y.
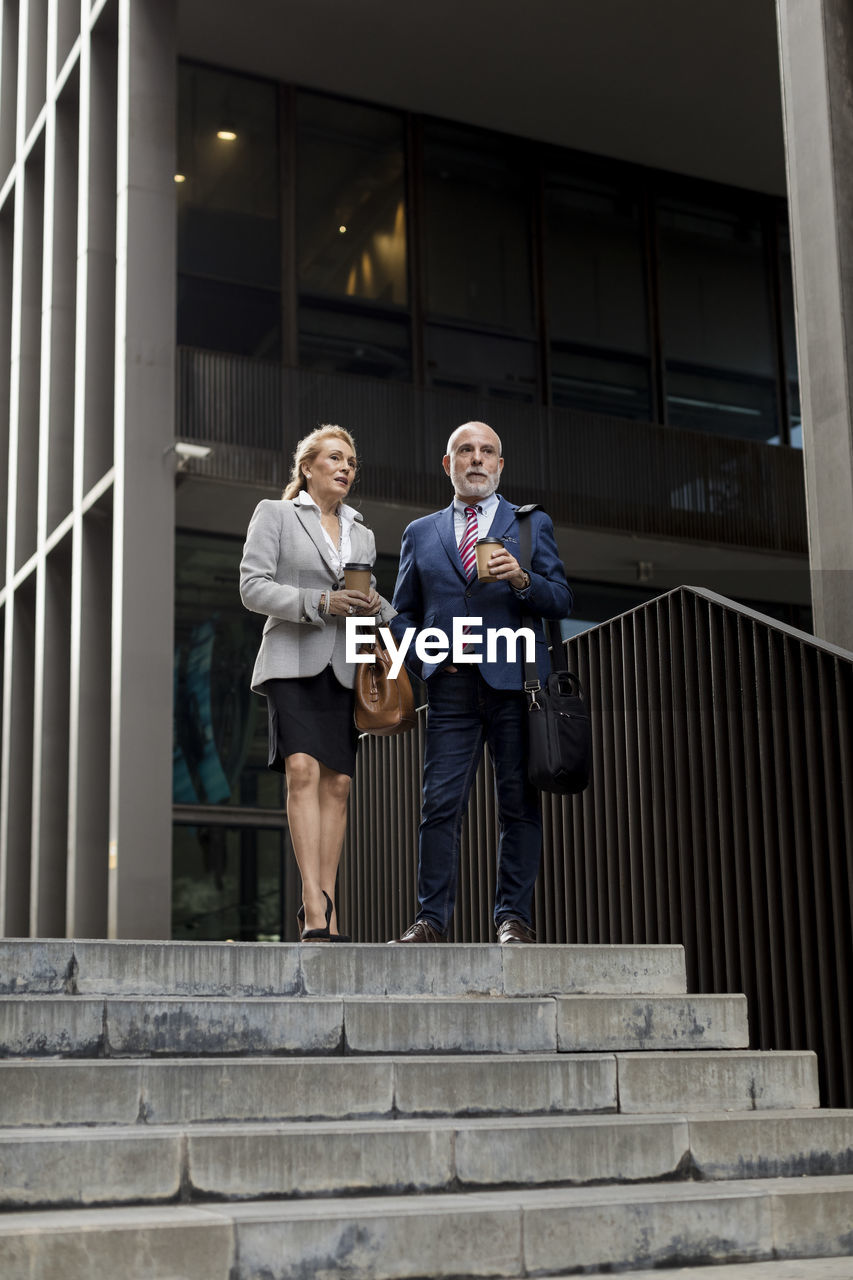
x: 432, y: 589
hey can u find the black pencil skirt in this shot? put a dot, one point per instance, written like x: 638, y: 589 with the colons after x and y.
x: 314, y: 715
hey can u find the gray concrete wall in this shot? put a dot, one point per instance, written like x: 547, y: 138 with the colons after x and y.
x: 140, y: 848
x: 87, y: 325
x: 816, y: 51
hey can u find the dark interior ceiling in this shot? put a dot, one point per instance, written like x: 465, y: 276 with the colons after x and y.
x: 691, y: 87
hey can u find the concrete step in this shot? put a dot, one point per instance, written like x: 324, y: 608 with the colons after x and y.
x: 122, y: 1026
x: 43, y: 1092
x: 52, y: 967
x: 145, y: 1164
x: 798, y: 1269
x: 700, y: 1081
x: 505, y: 1233
x: 172, y: 1243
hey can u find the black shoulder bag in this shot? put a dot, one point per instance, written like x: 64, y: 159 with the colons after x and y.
x: 559, y: 749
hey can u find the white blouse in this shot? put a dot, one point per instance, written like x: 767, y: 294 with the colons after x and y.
x: 339, y: 555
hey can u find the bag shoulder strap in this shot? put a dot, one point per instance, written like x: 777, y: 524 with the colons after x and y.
x: 559, y: 661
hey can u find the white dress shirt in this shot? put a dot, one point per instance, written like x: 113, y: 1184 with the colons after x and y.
x: 339, y: 555
x: 485, y: 509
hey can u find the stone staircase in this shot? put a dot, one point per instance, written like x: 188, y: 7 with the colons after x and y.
x: 248, y: 1112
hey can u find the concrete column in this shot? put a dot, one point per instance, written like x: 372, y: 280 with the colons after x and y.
x: 91, y: 572
x: 8, y: 85
x: 816, y: 53
x: 18, y: 676
x: 140, y: 853
x: 50, y: 693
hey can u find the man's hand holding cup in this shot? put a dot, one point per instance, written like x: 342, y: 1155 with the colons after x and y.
x: 496, y: 564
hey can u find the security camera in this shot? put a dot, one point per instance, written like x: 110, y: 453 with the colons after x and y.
x: 186, y: 450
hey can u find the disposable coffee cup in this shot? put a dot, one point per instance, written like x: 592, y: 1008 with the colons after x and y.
x: 486, y: 548
x: 357, y: 578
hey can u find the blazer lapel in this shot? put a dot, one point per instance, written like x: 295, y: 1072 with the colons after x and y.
x: 447, y: 534
x: 307, y: 517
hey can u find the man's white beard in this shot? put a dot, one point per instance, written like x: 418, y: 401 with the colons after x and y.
x: 466, y: 490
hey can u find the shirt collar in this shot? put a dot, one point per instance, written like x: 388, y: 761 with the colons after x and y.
x: 347, y: 514
x: 486, y: 507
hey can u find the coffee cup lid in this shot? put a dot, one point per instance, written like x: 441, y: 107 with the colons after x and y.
x: 481, y: 541
x: 357, y: 566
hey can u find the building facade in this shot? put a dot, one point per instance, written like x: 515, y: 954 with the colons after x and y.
x: 223, y: 225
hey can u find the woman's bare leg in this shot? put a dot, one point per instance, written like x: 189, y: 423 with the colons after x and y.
x: 333, y: 794
x: 304, y: 818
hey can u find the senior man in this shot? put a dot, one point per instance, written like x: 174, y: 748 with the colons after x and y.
x: 473, y: 702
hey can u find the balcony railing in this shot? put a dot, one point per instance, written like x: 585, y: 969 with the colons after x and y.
x: 719, y: 816
x: 587, y: 470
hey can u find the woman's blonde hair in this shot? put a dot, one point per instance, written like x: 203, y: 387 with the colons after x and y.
x: 306, y: 452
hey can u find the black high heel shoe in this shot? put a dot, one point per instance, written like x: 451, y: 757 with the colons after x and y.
x: 339, y: 937
x: 318, y: 935
x: 333, y: 937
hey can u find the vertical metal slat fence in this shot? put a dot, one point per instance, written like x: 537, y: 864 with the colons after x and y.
x: 719, y: 816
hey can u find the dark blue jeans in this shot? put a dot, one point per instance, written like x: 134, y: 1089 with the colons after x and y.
x: 464, y: 712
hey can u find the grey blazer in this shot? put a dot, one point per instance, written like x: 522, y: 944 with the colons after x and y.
x: 285, y: 568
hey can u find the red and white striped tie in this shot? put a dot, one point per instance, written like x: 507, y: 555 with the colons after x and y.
x: 467, y: 547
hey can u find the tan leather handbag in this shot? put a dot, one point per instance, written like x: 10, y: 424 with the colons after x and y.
x: 382, y: 706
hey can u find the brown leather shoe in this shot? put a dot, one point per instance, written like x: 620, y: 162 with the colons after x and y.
x: 420, y: 931
x: 515, y: 931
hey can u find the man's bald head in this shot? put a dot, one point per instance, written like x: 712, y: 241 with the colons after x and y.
x: 465, y: 425
x: 473, y: 461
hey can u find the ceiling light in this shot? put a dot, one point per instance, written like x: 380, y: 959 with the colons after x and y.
x: 342, y: 230
x: 180, y: 177
x: 226, y: 135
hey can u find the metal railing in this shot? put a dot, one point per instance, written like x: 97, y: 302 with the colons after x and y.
x: 720, y: 816
x: 588, y: 470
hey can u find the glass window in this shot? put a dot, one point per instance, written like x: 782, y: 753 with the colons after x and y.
x: 350, y: 201
x: 717, y: 332
x: 600, y: 383
x: 229, y: 232
x: 789, y: 335
x: 478, y: 262
x: 220, y: 747
x: 336, y: 339
x: 483, y: 363
x: 706, y: 400
x: 595, y: 283
x: 219, y: 316
x: 233, y: 883
x: 228, y: 200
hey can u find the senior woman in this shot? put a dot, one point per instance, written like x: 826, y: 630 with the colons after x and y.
x: 292, y: 571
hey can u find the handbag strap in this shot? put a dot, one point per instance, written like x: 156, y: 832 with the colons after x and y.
x: 559, y: 661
